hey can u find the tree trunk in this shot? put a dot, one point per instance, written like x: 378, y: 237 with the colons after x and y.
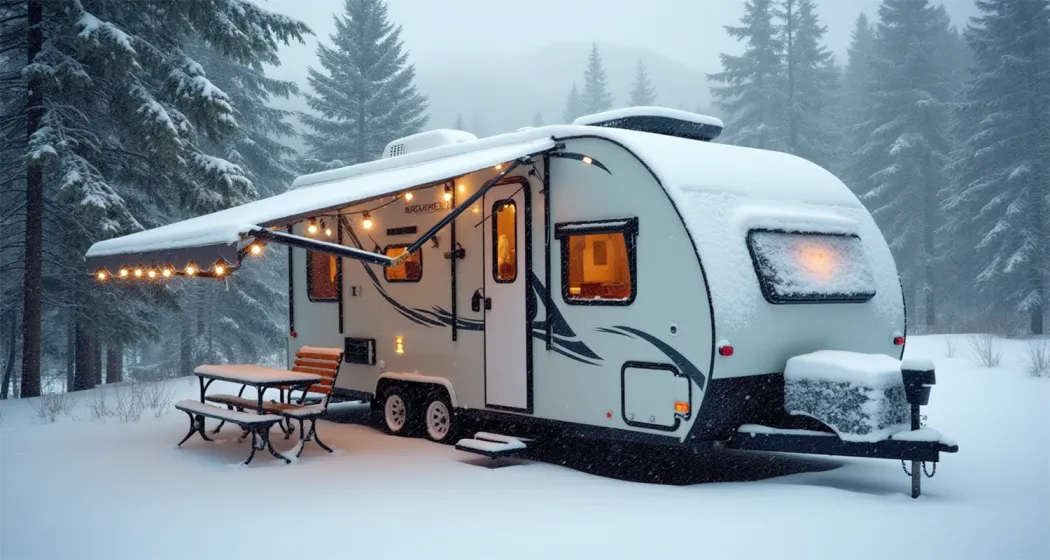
x: 96, y: 359
x: 12, y: 339
x: 84, y: 377
x: 34, y: 274
x: 71, y: 352
x: 114, y: 363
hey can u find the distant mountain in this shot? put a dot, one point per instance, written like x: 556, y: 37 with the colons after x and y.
x: 498, y: 94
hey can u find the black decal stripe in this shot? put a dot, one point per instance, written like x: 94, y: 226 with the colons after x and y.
x: 687, y: 367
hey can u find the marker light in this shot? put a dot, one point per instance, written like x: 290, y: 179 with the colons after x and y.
x: 681, y: 407
x: 898, y: 341
x: 399, y: 344
x: 725, y: 350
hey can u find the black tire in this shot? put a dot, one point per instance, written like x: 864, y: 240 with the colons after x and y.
x: 438, y: 417
x: 397, y: 411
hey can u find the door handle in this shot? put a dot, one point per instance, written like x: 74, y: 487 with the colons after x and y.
x: 477, y: 299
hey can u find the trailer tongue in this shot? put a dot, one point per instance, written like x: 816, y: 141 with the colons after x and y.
x: 873, y: 411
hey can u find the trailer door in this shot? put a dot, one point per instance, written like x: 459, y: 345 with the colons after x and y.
x: 506, y: 379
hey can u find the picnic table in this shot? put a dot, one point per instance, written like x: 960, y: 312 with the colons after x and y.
x: 258, y: 423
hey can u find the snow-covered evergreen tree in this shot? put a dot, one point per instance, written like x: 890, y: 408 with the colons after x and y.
x: 856, y: 169
x: 642, y: 91
x: 595, y: 97
x: 460, y: 125
x: 573, y: 106
x: 364, y: 93
x: 1000, y: 192
x: 537, y: 119
x: 906, y: 128
x: 751, y: 93
x: 810, y: 82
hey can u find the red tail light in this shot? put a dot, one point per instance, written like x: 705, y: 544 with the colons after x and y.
x: 725, y: 350
x: 294, y: 334
x: 898, y: 341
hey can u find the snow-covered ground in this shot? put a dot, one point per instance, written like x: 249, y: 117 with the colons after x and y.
x: 80, y: 488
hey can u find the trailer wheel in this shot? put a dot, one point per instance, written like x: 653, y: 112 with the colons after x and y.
x: 398, y: 412
x: 439, y: 420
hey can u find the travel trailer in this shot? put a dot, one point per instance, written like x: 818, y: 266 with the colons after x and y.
x: 623, y: 277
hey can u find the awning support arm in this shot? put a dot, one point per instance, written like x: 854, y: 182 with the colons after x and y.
x: 321, y: 246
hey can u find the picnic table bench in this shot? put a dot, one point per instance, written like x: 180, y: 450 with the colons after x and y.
x: 314, y: 371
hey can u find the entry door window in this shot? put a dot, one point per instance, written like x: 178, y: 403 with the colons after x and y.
x: 504, y: 241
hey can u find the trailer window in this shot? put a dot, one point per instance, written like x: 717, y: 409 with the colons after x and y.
x: 794, y: 267
x: 409, y: 271
x: 598, y: 262
x: 322, y: 276
x: 504, y: 241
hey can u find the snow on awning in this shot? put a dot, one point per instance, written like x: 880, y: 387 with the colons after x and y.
x: 220, y: 236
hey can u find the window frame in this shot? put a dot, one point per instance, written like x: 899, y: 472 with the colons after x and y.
x: 406, y: 280
x: 310, y: 255
x: 628, y: 227
x: 769, y: 292
x: 494, y: 241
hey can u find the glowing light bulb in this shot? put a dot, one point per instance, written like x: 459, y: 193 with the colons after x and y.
x: 166, y: 273
x: 462, y: 188
x: 220, y: 270
x: 312, y: 227
x: 448, y: 197
x: 152, y: 273
x: 499, y: 166
x: 191, y: 270
x: 367, y: 223
x: 328, y: 232
x: 475, y: 209
x: 138, y: 273
x: 256, y: 249
x: 101, y: 275
x: 408, y: 196
x: 123, y: 273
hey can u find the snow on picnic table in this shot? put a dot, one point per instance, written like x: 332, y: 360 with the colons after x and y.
x: 79, y: 488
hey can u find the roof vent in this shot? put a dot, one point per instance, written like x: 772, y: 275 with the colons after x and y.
x: 657, y: 120
x: 425, y: 141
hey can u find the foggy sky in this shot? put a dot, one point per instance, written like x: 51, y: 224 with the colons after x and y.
x: 463, y: 32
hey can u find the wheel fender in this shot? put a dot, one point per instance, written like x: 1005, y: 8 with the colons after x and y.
x: 406, y: 378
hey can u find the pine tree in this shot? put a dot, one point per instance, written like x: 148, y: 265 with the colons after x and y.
x: 365, y: 94
x: 751, y: 93
x: 907, y: 139
x: 573, y: 106
x: 537, y: 119
x: 1000, y: 175
x: 124, y: 123
x: 595, y: 97
x: 810, y: 80
x: 642, y: 91
x: 460, y: 125
x: 856, y: 98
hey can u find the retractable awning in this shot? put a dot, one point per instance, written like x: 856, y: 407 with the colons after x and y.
x: 222, y: 237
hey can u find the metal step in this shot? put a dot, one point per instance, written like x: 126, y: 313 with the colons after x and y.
x: 492, y: 445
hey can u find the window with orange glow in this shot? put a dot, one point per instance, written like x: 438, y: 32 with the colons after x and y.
x: 504, y: 241
x: 598, y: 262
x: 795, y: 267
x: 322, y: 276
x: 409, y: 271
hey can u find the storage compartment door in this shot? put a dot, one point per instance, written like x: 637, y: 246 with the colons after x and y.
x: 655, y: 396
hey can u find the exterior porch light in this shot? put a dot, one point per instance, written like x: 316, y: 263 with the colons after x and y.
x: 367, y: 223
x: 448, y: 193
